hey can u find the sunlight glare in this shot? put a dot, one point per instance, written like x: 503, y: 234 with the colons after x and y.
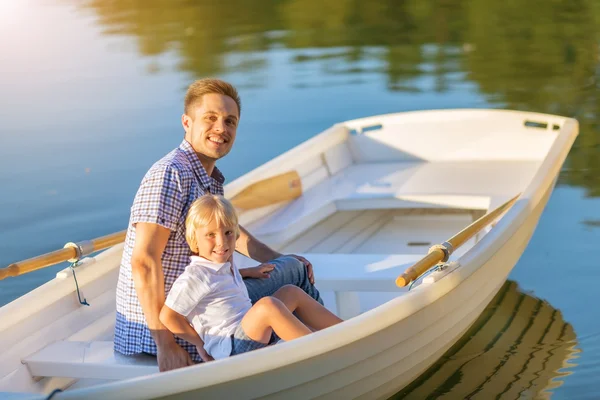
x: 8, y: 10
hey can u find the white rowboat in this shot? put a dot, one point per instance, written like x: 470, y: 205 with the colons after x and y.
x: 376, y: 194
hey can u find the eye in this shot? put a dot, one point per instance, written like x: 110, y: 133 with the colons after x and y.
x: 212, y: 118
x: 211, y: 235
x: 229, y: 233
x: 231, y: 122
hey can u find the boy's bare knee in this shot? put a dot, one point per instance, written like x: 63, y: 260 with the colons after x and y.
x: 289, y: 289
x: 267, y: 305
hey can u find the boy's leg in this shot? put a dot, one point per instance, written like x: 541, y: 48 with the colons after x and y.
x: 306, y: 308
x: 288, y: 271
x: 270, y: 315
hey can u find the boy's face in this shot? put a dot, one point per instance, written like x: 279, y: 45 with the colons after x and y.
x: 215, y: 243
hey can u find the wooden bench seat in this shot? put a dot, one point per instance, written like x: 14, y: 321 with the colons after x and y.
x: 96, y: 360
x: 349, y: 274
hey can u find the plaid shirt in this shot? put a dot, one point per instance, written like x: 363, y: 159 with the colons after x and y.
x: 164, y: 197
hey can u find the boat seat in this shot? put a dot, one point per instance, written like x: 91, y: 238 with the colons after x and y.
x: 473, y: 185
x: 96, y: 360
x: 349, y: 274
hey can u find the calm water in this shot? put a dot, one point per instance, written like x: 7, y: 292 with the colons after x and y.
x: 91, y: 95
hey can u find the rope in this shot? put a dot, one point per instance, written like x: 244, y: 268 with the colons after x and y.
x: 429, y: 271
x: 53, y: 393
x: 84, y: 302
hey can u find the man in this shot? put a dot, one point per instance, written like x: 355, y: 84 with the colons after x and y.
x: 156, y: 251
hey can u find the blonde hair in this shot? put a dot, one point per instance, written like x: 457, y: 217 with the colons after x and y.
x: 206, y: 209
x: 204, y: 86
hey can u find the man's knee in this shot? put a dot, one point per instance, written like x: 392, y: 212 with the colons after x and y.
x: 290, y: 262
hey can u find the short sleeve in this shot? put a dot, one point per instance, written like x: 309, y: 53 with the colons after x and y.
x: 186, y: 293
x: 160, y: 199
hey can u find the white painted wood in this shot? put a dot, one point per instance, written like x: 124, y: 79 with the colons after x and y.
x: 338, y: 158
x: 360, y: 237
x: 488, y: 135
x: 298, y: 158
x: 314, y: 178
x: 95, y: 360
x: 347, y: 304
x: 277, y: 232
x: 387, y: 345
x: 328, y: 227
x: 248, y: 217
x: 359, y: 272
x: 347, y: 232
x: 409, y: 234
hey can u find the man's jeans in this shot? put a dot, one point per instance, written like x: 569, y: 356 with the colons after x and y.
x: 288, y: 271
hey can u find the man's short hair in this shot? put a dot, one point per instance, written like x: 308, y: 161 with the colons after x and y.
x: 207, y: 86
x: 203, y: 211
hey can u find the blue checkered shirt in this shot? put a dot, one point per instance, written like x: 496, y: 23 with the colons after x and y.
x: 164, y: 197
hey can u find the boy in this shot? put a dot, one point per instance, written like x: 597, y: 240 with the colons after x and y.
x: 211, y: 296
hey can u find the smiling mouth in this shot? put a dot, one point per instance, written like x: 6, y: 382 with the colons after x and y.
x: 217, y: 140
x: 220, y: 252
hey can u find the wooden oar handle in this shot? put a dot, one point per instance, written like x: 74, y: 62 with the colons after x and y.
x: 412, y: 273
x: 436, y: 254
x: 35, y: 263
x: 58, y: 256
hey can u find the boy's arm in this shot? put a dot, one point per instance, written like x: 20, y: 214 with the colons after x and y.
x: 251, y: 247
x: 180, y: 326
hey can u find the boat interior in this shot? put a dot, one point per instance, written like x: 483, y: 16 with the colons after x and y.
x: 379, y: 192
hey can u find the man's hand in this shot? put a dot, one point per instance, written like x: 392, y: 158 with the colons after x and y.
x: 204, y: 355
x: 308, y: 265
x: 261, y: 271
x: 172, y: 356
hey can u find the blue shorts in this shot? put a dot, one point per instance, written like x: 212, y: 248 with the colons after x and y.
x: 241, y: 343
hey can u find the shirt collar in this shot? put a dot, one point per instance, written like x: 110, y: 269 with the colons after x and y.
x: 199, y: 170
x: 209, y: 264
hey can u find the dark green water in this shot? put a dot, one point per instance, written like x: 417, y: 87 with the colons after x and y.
x: 91, y: 95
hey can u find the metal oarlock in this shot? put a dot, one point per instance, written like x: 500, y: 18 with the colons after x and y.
x: 445, y: 247
x: 82, y: 249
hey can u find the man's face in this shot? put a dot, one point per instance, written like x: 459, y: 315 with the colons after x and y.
x: 212, y: 127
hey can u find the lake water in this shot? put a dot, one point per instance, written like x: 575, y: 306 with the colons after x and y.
x: 91, y: 95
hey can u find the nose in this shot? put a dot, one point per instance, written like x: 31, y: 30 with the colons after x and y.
x: 220, y: 239
x: 219, y: 125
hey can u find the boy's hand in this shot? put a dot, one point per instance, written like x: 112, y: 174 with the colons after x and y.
x: 261, y: 271
x: 204, y: 355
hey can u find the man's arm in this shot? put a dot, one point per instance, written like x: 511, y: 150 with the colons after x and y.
x: 251, y: 247
x: 146, y: 267
x: 177, y: 324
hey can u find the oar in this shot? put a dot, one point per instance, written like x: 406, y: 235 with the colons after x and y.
x: 72, y: 251
x: 439, y: 253
x: 275, y: 189
x: 268, y: 191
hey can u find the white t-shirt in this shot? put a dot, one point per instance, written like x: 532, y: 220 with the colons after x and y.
x: 214, y: 299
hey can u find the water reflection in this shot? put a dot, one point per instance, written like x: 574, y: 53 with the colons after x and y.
x: 520, y: 347
x: 548, y: 63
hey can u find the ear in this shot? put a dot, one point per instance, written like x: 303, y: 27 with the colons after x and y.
x: 186, y: 122
x: 193, y: 244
